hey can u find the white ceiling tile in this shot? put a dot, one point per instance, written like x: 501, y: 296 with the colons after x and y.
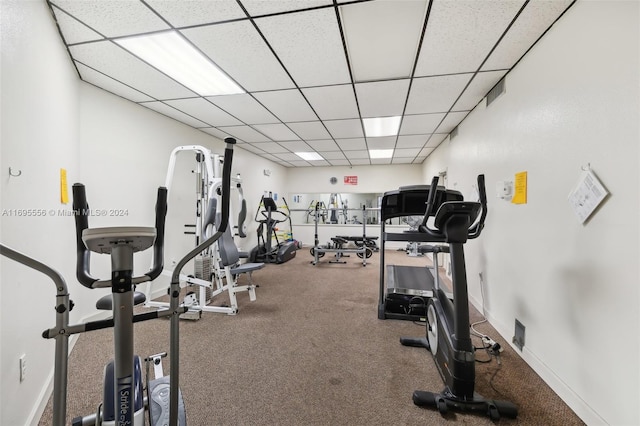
x: 420, y: 124
x: 333, y: 102
x: 288, y: 156
x: 345, y: 128
x: 173, y: 113
x: 215, y: 132
x: 412, y: 141
x: 296, y: 146
x: 332, y: 155
x: 310, y: 130
x: 360, y: 162
x: 262, y: 7
x: 195, y: 12
x: 338, y: 162
x: 320, y: 163
x: 352, y: 144
x: 436, y: 139
x: 252, y: 148
x: 435, y: 94
x: 323, y: 145
x: 299, y: 163
x: 478, y: 89
x: 355, y: 155
x: 245, y: 108
x: 271, y: 147
x: 406, y: 152
x: 238, y: 49
x: 245, y: 133
x: 451, y: 121
x: 110, y: 59
x: 73, y: 30
x: 425, y: 152
x: 460, y: 34
x: 532, y: 22
x: 113, y: 18
x: 287, y: 105
x: 382, y: 37
x: 204, y: 111
x: 385, y: 142
x: 382, y: 98
x: 381, y: 161
x: 272, y: 157
x: 309, y: 45
x: 107, y: 83
x: 402, y: 160
x: 277, y: 132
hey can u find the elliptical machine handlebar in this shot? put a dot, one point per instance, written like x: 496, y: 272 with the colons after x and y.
x: 432, y: 210
x: 83, y: 268
x: 476, y: 229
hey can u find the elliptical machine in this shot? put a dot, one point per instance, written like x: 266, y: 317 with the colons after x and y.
x: 265, y: 252
x: 447, y: 333
x: 123, y: 402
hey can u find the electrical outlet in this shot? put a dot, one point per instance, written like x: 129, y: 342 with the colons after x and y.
x: 23, y: 367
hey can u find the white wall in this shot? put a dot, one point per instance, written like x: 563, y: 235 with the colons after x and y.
x: 573, y: 101
x: 39, y: 136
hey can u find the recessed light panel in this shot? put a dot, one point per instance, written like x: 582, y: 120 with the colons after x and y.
x: 309, y: 156
x: 173, y: 55
x: 380, y: 153
x: 381, y: 126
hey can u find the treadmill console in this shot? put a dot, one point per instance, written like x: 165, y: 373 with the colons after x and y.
x: 412, y: 200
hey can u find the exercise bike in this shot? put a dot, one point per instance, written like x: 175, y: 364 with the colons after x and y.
x: 447, y: 333
x: 123, y: 402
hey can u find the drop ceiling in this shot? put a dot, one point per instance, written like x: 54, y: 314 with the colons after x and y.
x: 311, y: 70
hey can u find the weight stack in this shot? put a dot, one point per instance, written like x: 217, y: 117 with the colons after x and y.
x: 202, y: 271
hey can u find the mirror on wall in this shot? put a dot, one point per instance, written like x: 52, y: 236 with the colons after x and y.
x: 334, y: 208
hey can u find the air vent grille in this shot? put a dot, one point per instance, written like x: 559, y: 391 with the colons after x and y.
x: 494, y: 93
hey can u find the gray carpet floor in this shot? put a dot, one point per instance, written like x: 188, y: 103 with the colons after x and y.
x: 311, y: 351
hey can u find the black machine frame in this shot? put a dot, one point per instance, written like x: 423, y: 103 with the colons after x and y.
x: 448, y: 335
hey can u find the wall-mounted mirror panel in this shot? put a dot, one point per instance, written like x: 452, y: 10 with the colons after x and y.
x: 334, y: 208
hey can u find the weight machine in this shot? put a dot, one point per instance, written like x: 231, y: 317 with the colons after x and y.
x: 209, y: 276
x: 337, y: 244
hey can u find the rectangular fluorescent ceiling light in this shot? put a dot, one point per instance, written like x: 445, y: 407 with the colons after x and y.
x: 381, y: 153
x: 173, y: 55
x: 381, y: 126
x: 309, y: 156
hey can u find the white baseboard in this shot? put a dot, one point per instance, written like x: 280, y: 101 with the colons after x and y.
x: 572, y: 399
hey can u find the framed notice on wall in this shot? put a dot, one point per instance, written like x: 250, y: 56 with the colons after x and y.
x: 351, y: 180
x: 587, y: 195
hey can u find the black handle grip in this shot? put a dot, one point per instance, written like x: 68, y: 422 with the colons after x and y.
x: 81, y: 213
x: 226, y: 183
x: 475, y: 231
x: 158, y: 245
x: 482, y: 191
x: 431, y: 200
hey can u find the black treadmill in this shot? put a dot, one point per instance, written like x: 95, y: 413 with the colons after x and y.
x: 404, y: 290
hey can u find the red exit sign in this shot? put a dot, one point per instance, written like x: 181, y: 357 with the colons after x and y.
x: 351, y: 180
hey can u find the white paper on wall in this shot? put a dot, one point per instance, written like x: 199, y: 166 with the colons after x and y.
x: 587, y: 195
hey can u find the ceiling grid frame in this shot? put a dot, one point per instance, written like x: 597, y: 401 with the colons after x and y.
x: 75, y: 23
